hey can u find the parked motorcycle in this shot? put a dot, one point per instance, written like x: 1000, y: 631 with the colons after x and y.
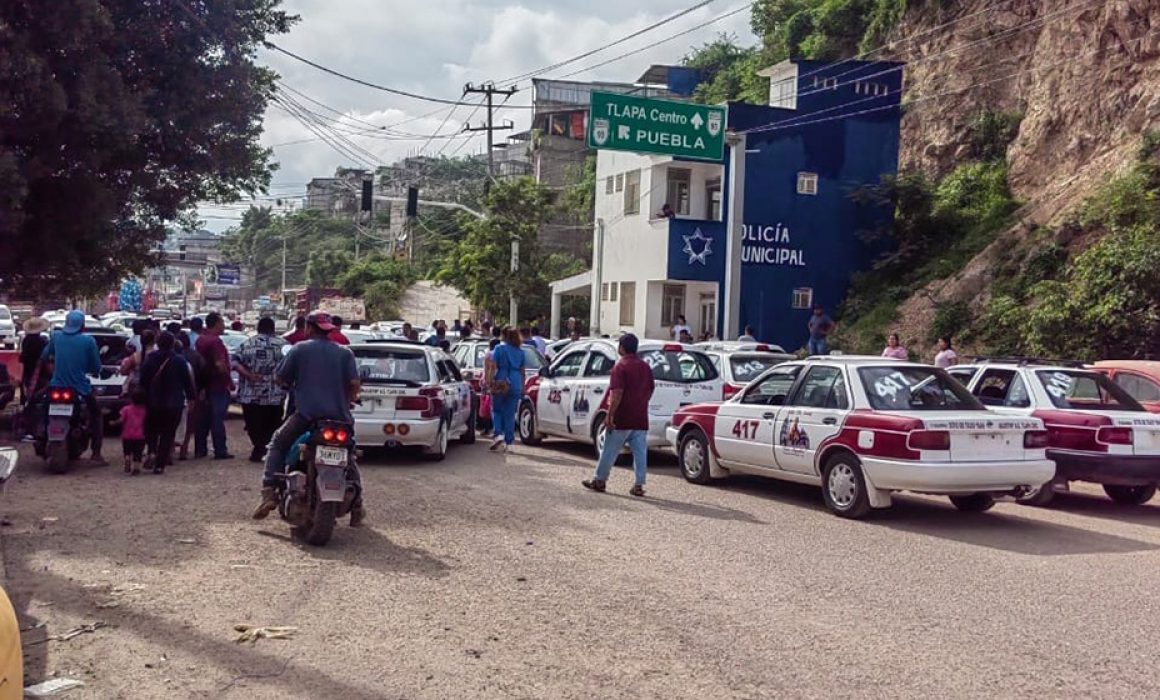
x: 67, y: 431
x: 320, y: 488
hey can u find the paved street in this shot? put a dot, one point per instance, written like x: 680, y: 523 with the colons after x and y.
x: 486, y: 577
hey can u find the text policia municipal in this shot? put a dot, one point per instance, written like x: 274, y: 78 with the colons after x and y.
x: 756, y: 246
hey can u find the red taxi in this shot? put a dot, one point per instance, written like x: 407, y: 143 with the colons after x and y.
x: 862, y: 428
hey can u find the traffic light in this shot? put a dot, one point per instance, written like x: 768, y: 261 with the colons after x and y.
x: 368, y: 193
x: 412, y: 202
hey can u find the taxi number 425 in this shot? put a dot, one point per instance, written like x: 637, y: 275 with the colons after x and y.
x: 745, y: 429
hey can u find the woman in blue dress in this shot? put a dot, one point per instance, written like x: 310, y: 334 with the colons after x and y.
x: 507, y: 388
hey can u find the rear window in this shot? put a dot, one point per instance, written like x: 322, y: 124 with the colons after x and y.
x: 1089, y: 391
x: 112, y: 347
x: 532, y: 358
x: 5, y: 314
x: 746, y: 368
x: 391, y: 366
x: 683, y: 367
x: 915, y: 389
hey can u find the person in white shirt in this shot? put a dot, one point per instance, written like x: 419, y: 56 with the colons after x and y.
x: 747, y: 336
x: 946, y: 357
x: 538, y: 341
x: 680, y: 327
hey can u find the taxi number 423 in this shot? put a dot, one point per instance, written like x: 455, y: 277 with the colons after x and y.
x: 746, y: 429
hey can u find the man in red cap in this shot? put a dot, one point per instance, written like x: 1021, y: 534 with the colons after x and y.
x: 324, y: 379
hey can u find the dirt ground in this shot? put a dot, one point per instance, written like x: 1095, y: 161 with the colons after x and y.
x: 493, y: 577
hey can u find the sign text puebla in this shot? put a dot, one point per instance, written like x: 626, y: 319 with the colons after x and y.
x: 627, y: 123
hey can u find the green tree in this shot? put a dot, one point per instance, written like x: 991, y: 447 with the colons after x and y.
x: 380, y: 281
x: 117, y: 117
x: 324, y: 267
x: 728, y: 72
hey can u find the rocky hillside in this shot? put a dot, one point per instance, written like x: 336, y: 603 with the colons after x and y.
x: 1083, y: 75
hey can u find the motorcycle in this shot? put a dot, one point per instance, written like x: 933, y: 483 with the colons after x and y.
x: 320, y: 488
x: 66, y: 432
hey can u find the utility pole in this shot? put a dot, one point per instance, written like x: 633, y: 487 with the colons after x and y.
x: 283, y: 263
x: 490, y: 91
x: 513, y: 303
x: 734, y: 235
x: 597, y: 276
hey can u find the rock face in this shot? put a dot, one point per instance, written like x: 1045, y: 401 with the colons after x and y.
x: 1084, y: 73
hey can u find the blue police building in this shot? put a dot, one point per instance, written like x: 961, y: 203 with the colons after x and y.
x: 829, y: 130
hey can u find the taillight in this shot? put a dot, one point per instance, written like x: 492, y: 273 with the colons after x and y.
x: 412, y: 403
x: 731, y: 390
x: 1035, y: 439
x: 1114, y: 436
x: 673, y: 347
x: 342, y: 435
x: 930, y: 440
x: 328, y: 435
x: 762, y: 347
x: 60, y: 395
x: 429, y: 402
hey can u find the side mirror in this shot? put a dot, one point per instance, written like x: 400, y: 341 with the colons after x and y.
x: 546, y: 372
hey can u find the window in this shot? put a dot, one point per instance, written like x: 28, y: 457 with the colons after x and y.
x: 803, y: 298
x: 608, y: 185
x: 963, y: 374
x: 448, y: 372
x: 784, y: 94
x: 604, y: 292
x: 807, y: 183
x: 713, y: 199
x: 823, y: 388
x: 1085, y: 390
x: 772, y: 390
x: 613, y: 288
x: 746, y: 368
x: 389, y: 366
x: 831, y: 83
x: 627, y: 303
x: 620, y: 182
x: 1138, y: 387
x: 632, y: 192
x: 680, y: 180
x: 532, y: 359
x: 680, y: 367
x: 569, y: 365
x: 1002, y: 387
x: 903, y: 388
x: 672, y: 304
x: 599, y: 365
x: 870, y: 89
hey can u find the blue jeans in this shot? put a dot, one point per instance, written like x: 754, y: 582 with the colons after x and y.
x: 614, y: 442
x: 213, y: 420
x: 819, y: 347
x: 503, y: 415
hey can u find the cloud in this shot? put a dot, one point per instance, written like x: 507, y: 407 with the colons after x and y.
x: 433, y: 48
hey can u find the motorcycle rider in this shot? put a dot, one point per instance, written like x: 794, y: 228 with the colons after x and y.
x: 324, y: 380
x: 75, y: 357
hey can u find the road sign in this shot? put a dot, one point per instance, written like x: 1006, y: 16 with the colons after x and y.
x: 627, y: 123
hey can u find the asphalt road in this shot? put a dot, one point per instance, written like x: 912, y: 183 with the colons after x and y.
x: 486, y: 577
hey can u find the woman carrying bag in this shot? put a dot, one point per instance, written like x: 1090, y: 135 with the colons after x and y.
x: 507, y: 387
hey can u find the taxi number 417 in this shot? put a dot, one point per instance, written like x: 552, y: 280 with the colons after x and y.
x: 745, y: 429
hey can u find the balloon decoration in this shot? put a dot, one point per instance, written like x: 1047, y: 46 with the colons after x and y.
x: 130, y: 298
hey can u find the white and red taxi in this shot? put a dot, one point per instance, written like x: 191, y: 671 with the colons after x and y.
x: 861, y: 428
x: 1096, y: 431
x: 741, y: 362
x: 569, y: 398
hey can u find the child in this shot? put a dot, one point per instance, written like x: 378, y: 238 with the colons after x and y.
x: 133, y: 434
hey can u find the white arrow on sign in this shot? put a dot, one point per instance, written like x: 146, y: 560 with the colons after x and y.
x: 697, y: 121
x: 623, y: 132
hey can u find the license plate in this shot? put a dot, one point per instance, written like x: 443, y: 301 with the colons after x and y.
x: 334, y: 456
x: 331, y: 484
x: 60, y: 409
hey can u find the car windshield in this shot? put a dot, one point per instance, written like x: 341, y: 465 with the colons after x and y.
x: 5, y: 314
x: 915, y: 389
x: 747, y: 367
x: 391, y: 365
x: 683, y: 367
x: 1090, y: 391
x: 233, y: 342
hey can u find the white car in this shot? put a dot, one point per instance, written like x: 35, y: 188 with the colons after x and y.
x: 569, y: 398
x: 861, y: 428
x: 740, y: 363
x: 412, y: 395
x: 1096, y: 431
x: 7, y: 328
x: 359, y: 336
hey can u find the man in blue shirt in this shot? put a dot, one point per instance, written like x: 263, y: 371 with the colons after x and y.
x: 75, y: 357
x: 820, y: 326
x: 325, y: 381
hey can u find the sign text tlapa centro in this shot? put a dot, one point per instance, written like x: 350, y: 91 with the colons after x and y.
x: 643, y: 125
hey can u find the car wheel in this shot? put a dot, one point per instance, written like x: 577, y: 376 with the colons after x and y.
x: 438, y: 451
x: 694, y: 457
x: 468, y: 436
x: 1039, y: 496
x: 844, y: 487
x: 1130, y: 495
x: 527, y: 420
x: 974, y: 503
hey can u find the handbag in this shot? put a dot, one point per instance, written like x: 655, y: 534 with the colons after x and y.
x: 500, y: 387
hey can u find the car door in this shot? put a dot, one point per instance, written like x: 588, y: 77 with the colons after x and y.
x: 457, y: 393
x: 814, y: 412
x: 744, y: 429
x: 555, y: 395
x: 1003, y: 391
x: 589, y: 391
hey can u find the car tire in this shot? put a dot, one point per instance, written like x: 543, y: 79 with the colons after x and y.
x: 693, y: 457
x: 1130, y: 495
x: 844, y: 487
x: 468, y: 436
x: 438, y: 451
x: 974, y: 503
x: 1041, y: 497
x: 527, y: 425
x: 598, y: 436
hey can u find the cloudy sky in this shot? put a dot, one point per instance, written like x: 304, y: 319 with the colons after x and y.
x: 433, y: 48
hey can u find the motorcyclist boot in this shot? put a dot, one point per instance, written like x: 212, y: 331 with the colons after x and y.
x: 269, y: 503
x: 358, y: 515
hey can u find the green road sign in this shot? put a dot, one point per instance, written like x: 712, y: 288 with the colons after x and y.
x: 626, y: 123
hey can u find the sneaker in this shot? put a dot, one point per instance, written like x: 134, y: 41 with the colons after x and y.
x: 358, y: 515
x: 637, y: 491
x: 496, y: 444
x: 597, y: 485
x: 269, y: 503
x: 98, y: 461
x: 225, y: 456
x: 128, y: 466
